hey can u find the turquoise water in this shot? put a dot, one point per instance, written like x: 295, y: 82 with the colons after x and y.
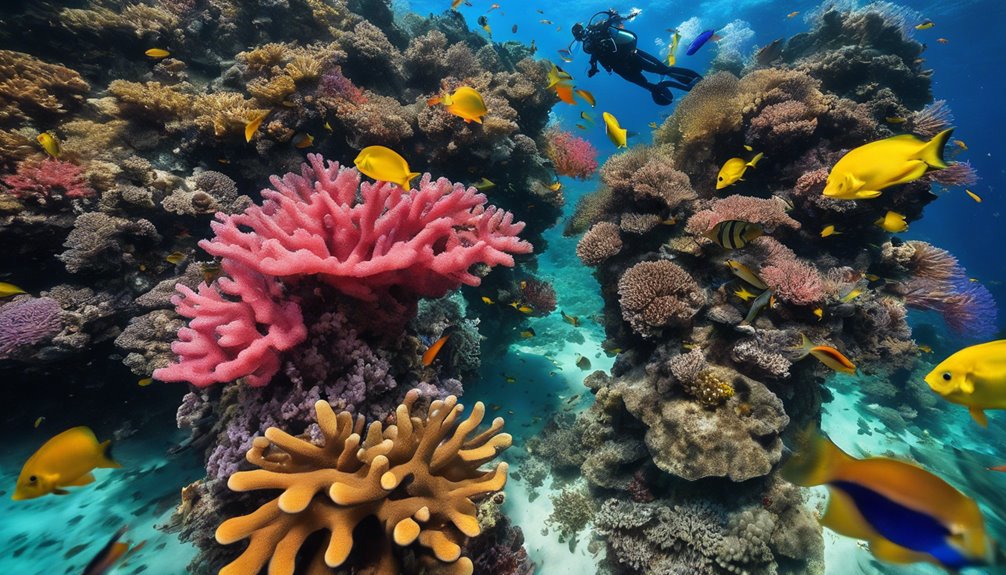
x: 600, y: 481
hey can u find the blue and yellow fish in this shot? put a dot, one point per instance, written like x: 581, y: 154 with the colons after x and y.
x: 905, y: 513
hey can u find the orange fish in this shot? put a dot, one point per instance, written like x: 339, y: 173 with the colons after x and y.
x: 828, y: 355
x: 587, y: 96
x: 943, y: 40
x: 565, y: 93
x: 109, y: 554
x: 434, y: 349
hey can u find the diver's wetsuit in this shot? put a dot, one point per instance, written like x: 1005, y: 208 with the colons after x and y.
x: 616, y: 50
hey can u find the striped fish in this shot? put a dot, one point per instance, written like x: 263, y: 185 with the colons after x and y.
x: 734, y: 234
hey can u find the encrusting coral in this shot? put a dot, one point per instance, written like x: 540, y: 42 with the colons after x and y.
x: 417, y: 478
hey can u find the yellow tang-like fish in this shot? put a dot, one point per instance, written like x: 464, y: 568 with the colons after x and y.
x: 744, y: 294
x: 974, y: 377
x: 570, y: 319
x: 64, y: 461
x: 829, y: 230
x: 734, y: 234
x: 733, y: 170
x: 465, y: 103
x: 157, y: 53
x: 7, y: 290
x: 50, y: 144
x: 253, y: 125
x: 672, y: 57
x: 905, y: 513
x: 616, y: 133
x: 866, y: 170
x: 892, y: 222
x: 745, y: 273
x: 557, y: 76
x: 385, y: 165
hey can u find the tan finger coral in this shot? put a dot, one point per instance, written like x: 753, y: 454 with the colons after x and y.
x: 415, y: 478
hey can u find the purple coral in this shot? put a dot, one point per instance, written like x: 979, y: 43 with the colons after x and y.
x: 47, y: 182
x: 967, y: 307
x: 335, y: 85
x: 538, y: 294
x: 27, y: 322
x: 956, y: 174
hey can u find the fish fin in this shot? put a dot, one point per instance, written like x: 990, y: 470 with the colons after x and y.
x: 915, y: 170
x: 967, y: 385
x: 842, y: 516
x: 434, y: 101
x: 754, y: 161
x: 81, y: 481
x: 60, y: 492
x: 866, y: 194
x: 932, y: 152
x: 816, y: 461
x: 891, y: 552
x: 106, y: 461
x: 805, y: 346
x: 404, y: 184
x: 979, y: 415
x: 477, y: 120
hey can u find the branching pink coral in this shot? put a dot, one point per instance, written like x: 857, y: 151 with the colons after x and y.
x: 794, y: 281
x: 571, y: 156
x: 422, y: 242
x: 224, y: 340
x: 48, y: 181
x: 769, y: 213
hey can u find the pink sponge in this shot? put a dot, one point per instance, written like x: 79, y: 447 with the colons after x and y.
x: 224, y: 340
x: 424, y: 240
x: 376, y: 243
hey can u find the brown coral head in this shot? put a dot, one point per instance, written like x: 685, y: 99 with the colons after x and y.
x: 415, y: 479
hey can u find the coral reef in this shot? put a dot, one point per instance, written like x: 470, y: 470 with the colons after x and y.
x: 416, y: 478
x: 571, y: 156
x: 27, y: 322
x: 654, y: 295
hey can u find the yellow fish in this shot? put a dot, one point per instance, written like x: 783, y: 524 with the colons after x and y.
x: 555, y: 186
x: 829, y: 230
x: 871, y: 277
x: 465, y: 103
x: 145, y: 382
x: 483, y: 185
x: 252, y: 126
x: 328, y: 127
x: 742, y: 271
x: 895, y: 120
x: 866, y: 170
x: 587, y: 97
x: 39, y: 421
x: 455, y: 4
x: 615, y: 133
x: 557, y: 76
x: 524, y: 309
x: 974, y: 377
x: 733, y: 170
x: 892, y: 222
x: 510, y: 379
x: 925, y: 25
x: 487, y: 300
x: 570, y: 319
x: 653, y: 125
x: 50, y: 144
x: 64, y: 461
x: 827, y: 355
x: 587, y: 117
x: 157, y: 53
x: 792, y: 14
x: 7, y: 290
x: 856, y: 292
x: 734, y: 234
x: 960, y: 144
x: 748, y: 148
x: 672, y: 57
x: 744, y: 294
x: 302, y: 140
x: 581, y: 126
x: 527, y: 333
x: 905, y: 513
x: 175, y: 258
x: 973, y: 196
x: 819, y: 312
x: 385, y: 165
x: 925, y: 348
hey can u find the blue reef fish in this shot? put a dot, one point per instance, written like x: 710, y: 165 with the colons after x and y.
x: 700, y: 41
x: 905, y: 513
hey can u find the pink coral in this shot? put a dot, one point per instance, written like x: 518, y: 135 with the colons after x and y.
x: 48, y: 181
x: 421, y: 242
x: 955, y: 174
x: 601, y: 242
x: 224, y: 339
x: 769, y: 213
x: 571, y: 156
x: 782, y: 124
x: 654, y: 295
x: 335, y: 85
x: 794, y: 281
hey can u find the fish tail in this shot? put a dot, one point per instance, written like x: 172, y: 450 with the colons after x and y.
x: 805, y: 346
x: 408, y: 178
x: 434, y: 101
x: 932, y: 152
x: 754, y: 161
x: 105, y: 459
x: 815, y: 461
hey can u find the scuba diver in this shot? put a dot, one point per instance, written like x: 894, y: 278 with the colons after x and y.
x: 615, y: 48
